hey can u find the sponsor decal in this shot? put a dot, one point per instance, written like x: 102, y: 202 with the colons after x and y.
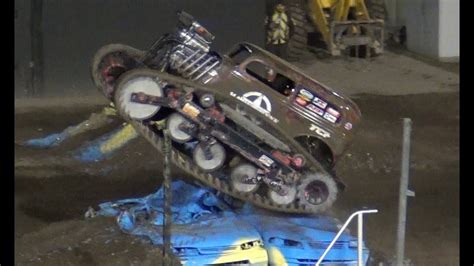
x: 348, y: 126
x: 315, y: 109
x: 266, y: 160
x: 307, y: 95
x: 301, y: 101
x: 320, y: 102
x: 257, y: 101
x: 323, y: 133
x: 333, y: 112
x: 330, y: 117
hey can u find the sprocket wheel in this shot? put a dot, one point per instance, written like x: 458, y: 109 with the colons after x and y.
x: 317, y: 192
x: 110, y: 62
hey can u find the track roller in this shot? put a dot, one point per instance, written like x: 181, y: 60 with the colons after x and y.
x: 174, y: 124
x: 242, y: 172
x: 210, y: 158
x: 285, y: 199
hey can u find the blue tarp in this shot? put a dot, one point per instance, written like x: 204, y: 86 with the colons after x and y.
x: 202, y: 220
x: 48, y: 141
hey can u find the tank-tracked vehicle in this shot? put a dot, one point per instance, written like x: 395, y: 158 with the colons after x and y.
x: 246, y: 123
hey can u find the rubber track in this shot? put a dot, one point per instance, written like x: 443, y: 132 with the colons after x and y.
x: 182, y: 161
x: 186, y: 164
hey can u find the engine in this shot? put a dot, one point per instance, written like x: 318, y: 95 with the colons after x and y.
x: 191, y: 57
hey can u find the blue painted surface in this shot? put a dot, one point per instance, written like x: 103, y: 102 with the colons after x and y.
x: 299, y: 244
x: 91, y: 152
x: 48, y: 141
x: 200, y: 223
x: 203, y: 221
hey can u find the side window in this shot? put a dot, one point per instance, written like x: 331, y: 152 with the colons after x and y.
x: 270, y: 77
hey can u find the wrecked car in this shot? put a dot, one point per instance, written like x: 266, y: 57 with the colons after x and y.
x: 206, y: 230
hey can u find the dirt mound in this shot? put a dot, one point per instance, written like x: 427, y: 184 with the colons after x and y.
x: 85, y: 242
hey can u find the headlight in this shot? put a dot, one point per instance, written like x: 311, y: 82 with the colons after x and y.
x: 251, y: 244
x: 285, y: 242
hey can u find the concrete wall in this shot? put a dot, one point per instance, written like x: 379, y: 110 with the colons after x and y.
x: 432, y: 26
x: 74, y: 30
x: 422, y: 22
x: 448, y: 30
x: 22, y: 46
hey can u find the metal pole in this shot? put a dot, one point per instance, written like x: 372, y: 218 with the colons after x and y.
x: 403, y: 191
x: 168, y: 200
x: 360, y: 234
x: 341, y: 230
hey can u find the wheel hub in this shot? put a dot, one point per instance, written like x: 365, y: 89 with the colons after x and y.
x: 316, y: 192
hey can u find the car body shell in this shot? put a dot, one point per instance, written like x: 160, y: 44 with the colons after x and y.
x: 286, y: 116
x: 207, y: 231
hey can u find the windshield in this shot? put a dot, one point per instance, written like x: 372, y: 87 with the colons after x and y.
x: 239, y: 53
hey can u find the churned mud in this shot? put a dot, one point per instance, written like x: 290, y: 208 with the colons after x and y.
x: 53, y: 191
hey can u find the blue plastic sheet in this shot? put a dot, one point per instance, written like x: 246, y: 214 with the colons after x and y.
x: 48, y: 141
x: 202, y: 220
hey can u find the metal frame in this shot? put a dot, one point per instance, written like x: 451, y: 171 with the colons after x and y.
x: 345, y: 34
x: 360, y: 222
x: 331, y: 18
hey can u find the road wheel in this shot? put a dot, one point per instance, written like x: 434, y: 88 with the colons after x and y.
x: 285, y: 199
x: 214, y: 161
x: 173, y: 124
x: 238, y: 176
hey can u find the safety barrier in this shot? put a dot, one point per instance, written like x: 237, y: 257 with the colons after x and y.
x: 360, y: 223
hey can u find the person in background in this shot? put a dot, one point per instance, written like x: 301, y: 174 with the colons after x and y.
x: 279, y: 27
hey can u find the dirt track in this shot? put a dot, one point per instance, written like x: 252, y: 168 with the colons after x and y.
x: 53, y: 192
x: 51, y: 198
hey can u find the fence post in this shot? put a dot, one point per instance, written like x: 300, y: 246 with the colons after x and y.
x: 168, y: 199
x: 360, y: 234
x: 404, y: 192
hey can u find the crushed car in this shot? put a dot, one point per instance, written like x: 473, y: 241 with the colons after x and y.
x: 206, y: 230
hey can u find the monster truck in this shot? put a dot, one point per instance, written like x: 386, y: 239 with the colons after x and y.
x: 246, y: 123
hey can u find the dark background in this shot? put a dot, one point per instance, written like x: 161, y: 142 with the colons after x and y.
x: 74, y: 30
